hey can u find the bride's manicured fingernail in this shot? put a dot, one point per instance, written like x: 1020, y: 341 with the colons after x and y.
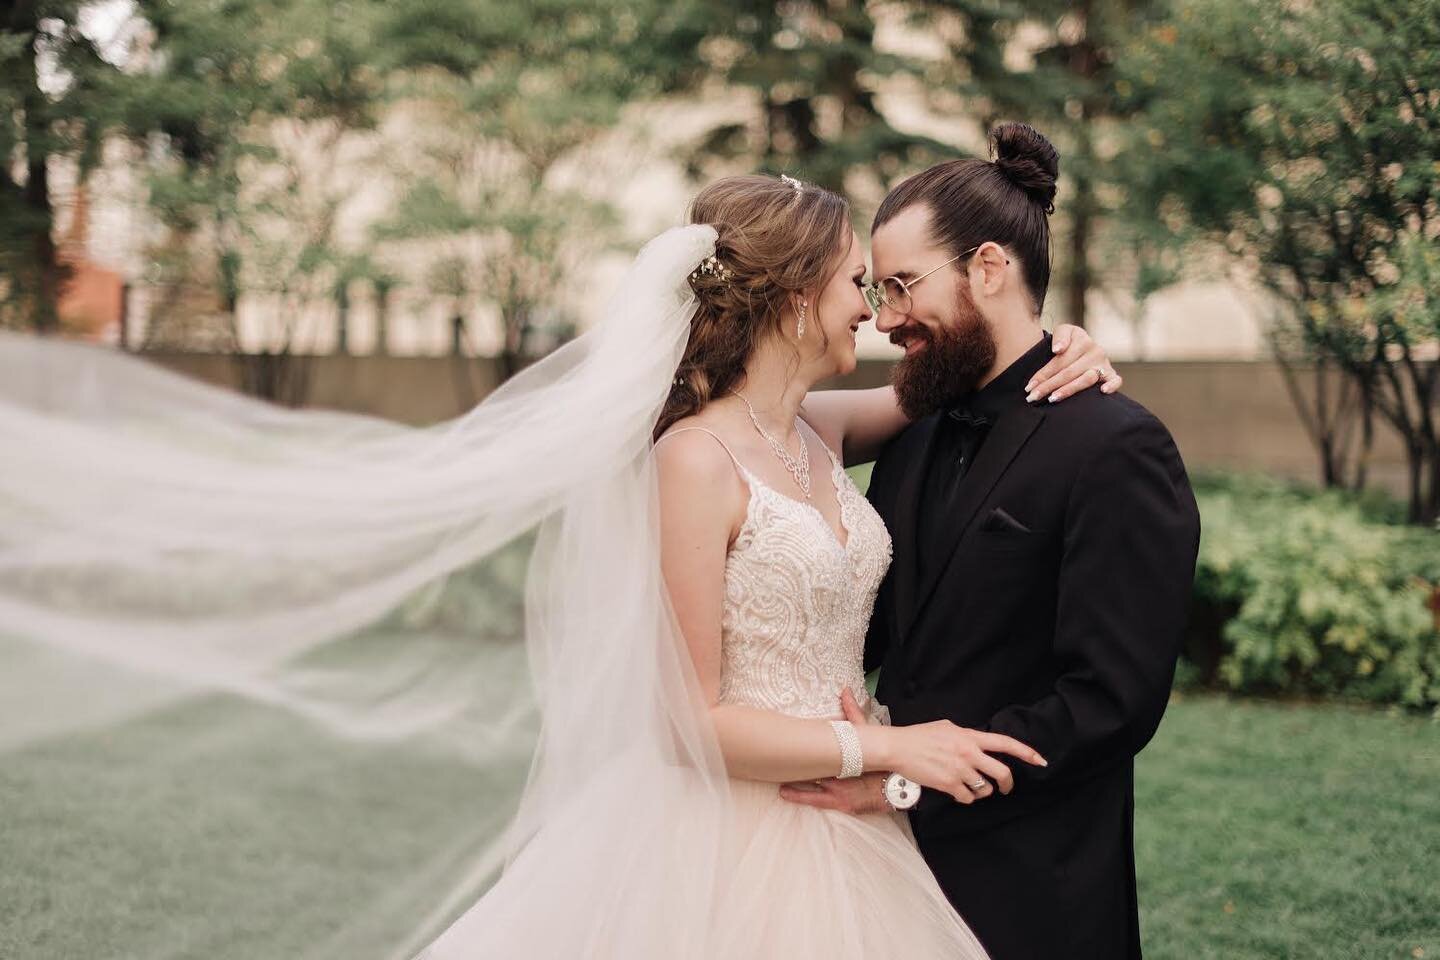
x: 1053, y: 398
x: 1032, y: 396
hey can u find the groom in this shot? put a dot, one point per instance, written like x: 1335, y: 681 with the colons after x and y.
x: 1043, y: 557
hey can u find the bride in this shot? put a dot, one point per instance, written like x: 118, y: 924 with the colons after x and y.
x: 696, y: 601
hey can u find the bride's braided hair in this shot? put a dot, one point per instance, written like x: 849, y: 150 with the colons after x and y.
x: 775, y: 238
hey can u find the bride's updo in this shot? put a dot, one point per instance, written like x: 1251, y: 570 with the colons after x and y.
x: 775, y: 238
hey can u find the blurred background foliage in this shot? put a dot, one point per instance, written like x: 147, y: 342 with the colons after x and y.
x: 1305, y: 140
x: 1297, y: 141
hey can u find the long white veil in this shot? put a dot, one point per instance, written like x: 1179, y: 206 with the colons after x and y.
x: 161, y: 539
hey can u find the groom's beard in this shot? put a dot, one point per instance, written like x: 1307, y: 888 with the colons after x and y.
x: 949, y: 366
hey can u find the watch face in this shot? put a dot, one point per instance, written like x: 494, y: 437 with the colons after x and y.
x: 900, y: 792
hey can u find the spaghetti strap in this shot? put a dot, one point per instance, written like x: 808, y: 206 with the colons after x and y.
x: 736, y: 460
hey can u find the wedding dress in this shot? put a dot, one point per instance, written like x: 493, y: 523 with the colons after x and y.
x: 796, y: 881
x: 154, y: 528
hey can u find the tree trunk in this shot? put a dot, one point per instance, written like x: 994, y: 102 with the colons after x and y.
x: 342, y: 318
x: 382, y: 319
x: 516, y: 321
x: 1425, y: 480
x: 1085, y: 64
x: 1079, y: 256
x: 47, y: 274
x: 1415, y: 472
x: 125, y: 291
x: 278, y: 376
x: 1430, y: 510
x: 457, y: 336
x: 1361, y: 474
x: 1327, y: 420
x: 1414, y: 388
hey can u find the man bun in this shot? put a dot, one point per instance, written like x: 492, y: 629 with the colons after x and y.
x: 1027, y: 160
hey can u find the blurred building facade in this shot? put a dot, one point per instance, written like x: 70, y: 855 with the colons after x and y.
x: 116, y: 244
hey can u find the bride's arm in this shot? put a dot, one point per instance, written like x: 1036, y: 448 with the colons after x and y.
x: 702, y: 504
x: 857, y: 422
x: 861, y: 422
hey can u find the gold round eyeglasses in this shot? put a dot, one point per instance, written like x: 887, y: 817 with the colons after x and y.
x: 895, y: 293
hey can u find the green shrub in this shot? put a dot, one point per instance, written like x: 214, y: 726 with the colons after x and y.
x: 1313, y: 593
x: 1310, y: 593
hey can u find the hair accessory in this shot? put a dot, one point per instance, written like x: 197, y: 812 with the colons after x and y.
x: 712, y: 267
x: 799, y: 187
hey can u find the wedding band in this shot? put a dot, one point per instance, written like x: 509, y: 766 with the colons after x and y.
x: 979, y: 785
x: 1101, y: 373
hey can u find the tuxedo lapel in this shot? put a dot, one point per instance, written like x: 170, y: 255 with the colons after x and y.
x: 994, y: 458
x: 907, y: 527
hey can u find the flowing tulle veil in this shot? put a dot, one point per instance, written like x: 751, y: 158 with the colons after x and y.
x: 486, y: 590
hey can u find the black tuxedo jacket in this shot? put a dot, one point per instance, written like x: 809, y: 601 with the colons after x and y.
x: 1056, y: 619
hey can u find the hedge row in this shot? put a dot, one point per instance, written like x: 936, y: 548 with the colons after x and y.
x: 1304, y: 592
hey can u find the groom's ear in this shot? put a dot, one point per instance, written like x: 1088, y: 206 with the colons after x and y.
x: 992, y: 262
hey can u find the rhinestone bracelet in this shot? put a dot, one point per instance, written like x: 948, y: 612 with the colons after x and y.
x: 852, y: 759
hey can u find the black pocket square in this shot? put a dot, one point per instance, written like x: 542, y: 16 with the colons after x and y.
x: 1000, y: 521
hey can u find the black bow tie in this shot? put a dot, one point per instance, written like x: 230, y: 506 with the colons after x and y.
x: 967, y: 418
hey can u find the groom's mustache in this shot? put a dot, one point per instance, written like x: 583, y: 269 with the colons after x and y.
x: 903, y: 335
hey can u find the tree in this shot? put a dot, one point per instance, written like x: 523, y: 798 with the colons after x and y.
x: 508, y: 101
x: 813, y: 71
x: 1051, y: 63
x: 241, y: 108
x: 54, y: 103
x: 1303, y: 138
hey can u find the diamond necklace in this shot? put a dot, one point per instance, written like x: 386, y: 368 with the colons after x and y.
x: 799, y: 467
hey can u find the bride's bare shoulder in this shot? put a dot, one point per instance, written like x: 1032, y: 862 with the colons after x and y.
x: 700, y: 486
x: 695, y: 450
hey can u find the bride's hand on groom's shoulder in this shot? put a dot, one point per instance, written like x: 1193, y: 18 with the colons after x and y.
x: 1079, y: 364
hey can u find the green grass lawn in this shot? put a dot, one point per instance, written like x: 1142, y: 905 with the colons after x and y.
x: 241, y: 826
x: 1276, y: 830
x: 1264, y: 830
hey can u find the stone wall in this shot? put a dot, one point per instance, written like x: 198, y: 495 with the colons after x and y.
x: 1230, y: 414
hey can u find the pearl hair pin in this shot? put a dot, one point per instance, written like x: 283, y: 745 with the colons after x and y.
x: 712, y: 267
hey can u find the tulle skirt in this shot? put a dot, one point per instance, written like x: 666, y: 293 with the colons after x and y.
x: 795, y: 882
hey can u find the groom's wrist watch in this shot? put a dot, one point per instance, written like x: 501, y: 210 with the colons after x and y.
x: 900, y: 792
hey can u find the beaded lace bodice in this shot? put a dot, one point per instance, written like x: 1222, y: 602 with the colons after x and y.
x: 797, y: 601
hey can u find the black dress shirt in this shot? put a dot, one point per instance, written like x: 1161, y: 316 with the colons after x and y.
x: 958, y: 437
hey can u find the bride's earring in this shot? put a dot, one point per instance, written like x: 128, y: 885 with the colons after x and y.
x: 800, y: 327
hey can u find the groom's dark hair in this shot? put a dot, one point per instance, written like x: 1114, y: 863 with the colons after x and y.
x: 1008, y: 200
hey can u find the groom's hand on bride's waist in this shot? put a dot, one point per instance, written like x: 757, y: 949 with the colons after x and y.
x: 855, y: 795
